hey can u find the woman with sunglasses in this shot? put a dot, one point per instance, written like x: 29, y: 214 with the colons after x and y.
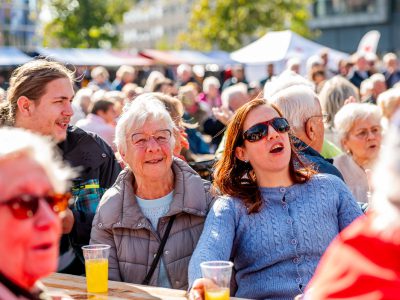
x: 278, y: 215
x: 33, y: 181
x: 157, y: 198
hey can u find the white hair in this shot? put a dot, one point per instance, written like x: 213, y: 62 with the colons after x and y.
x: 377, y: 77
x: 183, y: 68
x: 82, y: 93
x: 209, y: 81
x: 98, y: 95
x: 237, y: 91
x: 350, y: 113
x: 18, y: 141
x: 389, y: 101
x: 333, y: 94
x: 125, y: 70
x: 294, y: 61
x: 366, y: 86
x: 154, y: 78
x: 97, y: 71
x: 388, y: 57
x: 282, y: 82
x: 145, y: 107
x: 294, y: 95
x: 198, y: 70
x: 312, y: 61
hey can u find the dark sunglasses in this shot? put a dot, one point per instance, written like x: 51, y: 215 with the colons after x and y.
x: 26, y: 206
x: 260, y: 130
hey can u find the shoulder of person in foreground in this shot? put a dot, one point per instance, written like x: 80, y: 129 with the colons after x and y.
x: 357, y: 265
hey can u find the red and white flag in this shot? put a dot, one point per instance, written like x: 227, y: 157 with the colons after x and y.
x: 369, y: 42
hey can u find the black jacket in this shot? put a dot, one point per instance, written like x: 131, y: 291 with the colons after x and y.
x: 98, y: 170
x: 320, y: 164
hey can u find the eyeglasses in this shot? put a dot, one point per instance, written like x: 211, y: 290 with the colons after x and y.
x: 260, y: 130
x: 141, y: 140
x: 325, y: 117
x: 364, y: 133
x: 26, y: 206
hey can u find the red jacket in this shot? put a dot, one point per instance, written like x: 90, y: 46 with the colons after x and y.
x: 359, y: 264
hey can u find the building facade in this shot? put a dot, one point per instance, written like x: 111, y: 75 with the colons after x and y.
x: 18, y: 23
x: 342, y: 23
x: 155, y: 23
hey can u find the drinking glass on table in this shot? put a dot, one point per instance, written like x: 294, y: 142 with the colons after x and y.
x: 96, y: 265
x: 217, y: 275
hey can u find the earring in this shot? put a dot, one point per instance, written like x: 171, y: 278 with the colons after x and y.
x: 246, y: 161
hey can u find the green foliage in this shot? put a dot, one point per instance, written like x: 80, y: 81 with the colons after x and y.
x: 85, y: 23
x: 226, y: 23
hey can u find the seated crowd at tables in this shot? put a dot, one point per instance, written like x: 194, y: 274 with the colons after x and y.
x: 301, y: 195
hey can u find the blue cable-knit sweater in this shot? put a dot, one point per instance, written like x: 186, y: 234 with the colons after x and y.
x: 275, y: 251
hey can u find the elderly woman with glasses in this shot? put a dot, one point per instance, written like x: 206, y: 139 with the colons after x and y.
x: 33, y: 182
x: 278, y: 215
x: 360, y: 134
x: 154, y: 214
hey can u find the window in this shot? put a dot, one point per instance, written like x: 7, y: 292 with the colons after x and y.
x: 330, y: 13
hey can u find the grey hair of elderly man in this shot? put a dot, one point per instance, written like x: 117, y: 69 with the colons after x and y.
x: 299, y: 104
x: 235, y: 96
x: 232, y: 99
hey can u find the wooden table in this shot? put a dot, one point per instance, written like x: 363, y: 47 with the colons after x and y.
x: 64, y: 287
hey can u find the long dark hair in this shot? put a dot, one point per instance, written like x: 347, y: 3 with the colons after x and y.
x: 235, y: 177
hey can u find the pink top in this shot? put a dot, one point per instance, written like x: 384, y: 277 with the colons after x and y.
x: 96, y: 124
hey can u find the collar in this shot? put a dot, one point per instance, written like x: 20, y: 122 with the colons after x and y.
x: 305, y: 149
x: 18, y: 290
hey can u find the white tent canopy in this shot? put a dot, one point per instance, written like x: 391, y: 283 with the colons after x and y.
x: 279, y: 45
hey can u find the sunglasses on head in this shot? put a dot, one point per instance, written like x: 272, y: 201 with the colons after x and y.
x: 26, y: 206
x: 260, y: 130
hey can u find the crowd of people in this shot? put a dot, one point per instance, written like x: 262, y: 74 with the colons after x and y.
x: 303, y: 172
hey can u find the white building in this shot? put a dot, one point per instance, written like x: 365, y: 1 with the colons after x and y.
x: 152, y: 23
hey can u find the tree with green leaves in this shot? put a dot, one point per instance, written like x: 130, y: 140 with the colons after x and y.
x: 226, y: 24
x: 85, y: 23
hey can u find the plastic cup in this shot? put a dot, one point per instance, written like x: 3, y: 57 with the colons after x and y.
x: 217, y: 275
x: 96, y: 265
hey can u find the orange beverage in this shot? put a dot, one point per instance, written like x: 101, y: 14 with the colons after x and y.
x: 217, y: 294
x: 97, y: 275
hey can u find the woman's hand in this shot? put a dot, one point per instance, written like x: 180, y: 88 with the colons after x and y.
x: 222, y: 114
x: 198, y: 288
x: 197, y: 291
